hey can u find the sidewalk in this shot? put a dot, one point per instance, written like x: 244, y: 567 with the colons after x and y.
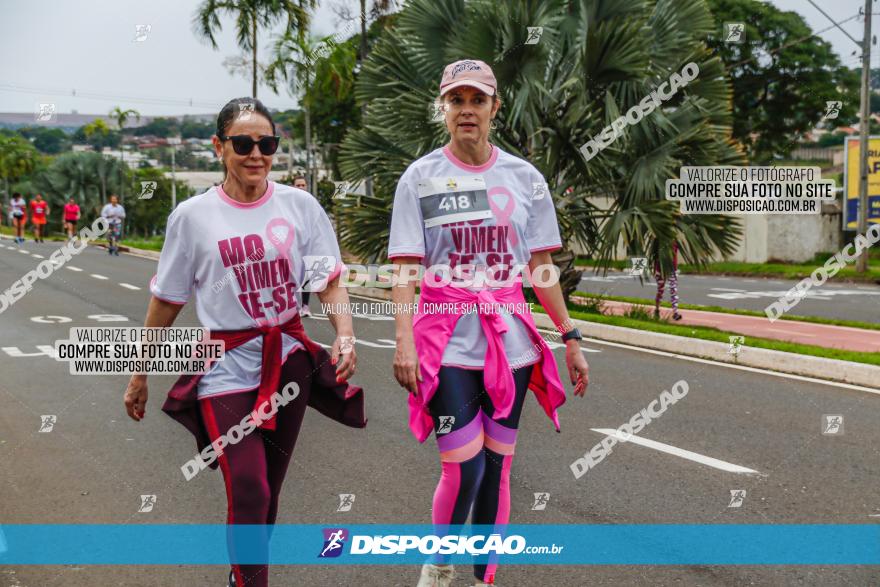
x: 824, y: 335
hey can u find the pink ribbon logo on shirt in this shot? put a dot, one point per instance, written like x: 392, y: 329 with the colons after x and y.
x: 502, y: 215
x: 283, y: 248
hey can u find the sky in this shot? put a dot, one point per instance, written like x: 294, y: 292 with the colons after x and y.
x: 52, y: 47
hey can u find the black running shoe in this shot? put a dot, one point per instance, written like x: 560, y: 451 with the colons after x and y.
x: 231, y: 579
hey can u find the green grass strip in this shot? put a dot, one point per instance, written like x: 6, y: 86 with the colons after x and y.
x: 722, y: 310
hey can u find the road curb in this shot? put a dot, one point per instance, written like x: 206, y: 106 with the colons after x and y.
x: 138, y: 252
x: 770, y: 360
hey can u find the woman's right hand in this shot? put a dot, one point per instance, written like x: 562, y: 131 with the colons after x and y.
x: 136, y: 397
x: 406, y: 364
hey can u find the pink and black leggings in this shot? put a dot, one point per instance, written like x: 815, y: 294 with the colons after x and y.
x: 254, y: 468
x: 475, y: 452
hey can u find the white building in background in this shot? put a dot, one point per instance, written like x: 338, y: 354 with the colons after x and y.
x: 201, y: 181
x: 772, y: 237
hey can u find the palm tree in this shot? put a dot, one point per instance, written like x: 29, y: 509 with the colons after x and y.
x: 594, y: 60
x: 122, y: 117
x: 87, y: 176
x: 250, y: 16
x: 293, y: 60
x: 17, y: 159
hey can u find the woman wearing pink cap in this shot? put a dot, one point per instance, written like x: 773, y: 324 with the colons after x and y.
x: 474, y: 215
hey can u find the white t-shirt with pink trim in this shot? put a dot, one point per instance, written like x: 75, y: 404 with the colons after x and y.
x: 523, y: 221
x: 245, y: 264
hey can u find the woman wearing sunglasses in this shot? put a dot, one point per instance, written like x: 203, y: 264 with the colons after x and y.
x: 239, y: 249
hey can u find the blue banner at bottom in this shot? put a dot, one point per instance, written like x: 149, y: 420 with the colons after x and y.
x: 370, y: 544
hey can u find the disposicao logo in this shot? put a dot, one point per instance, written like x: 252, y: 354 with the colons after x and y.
x: 334, y: 541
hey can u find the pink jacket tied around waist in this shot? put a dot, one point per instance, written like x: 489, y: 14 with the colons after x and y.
x: 432, y: 331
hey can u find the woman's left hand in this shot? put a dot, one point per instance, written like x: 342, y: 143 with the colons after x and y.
x: 578, y: 369
x: 344, y: 357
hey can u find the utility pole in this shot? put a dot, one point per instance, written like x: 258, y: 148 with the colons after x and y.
x: 864, y: 129
x: 310, y: 173
x: 173, y: 141
x: 368, y: 186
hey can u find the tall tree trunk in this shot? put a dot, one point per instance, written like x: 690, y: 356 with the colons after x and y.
x: 254, y: 37
x: 310, y: 174
x: 368, y: 186
x: 122, y: 174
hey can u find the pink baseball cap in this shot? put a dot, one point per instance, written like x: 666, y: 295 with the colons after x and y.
x: 468, y: 72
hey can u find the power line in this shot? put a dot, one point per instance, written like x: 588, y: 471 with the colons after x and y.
x: 795, y: 42
x: 98, y: 95
x: 816, y: 6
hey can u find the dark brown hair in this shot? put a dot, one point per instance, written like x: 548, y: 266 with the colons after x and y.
x: 232, y: 109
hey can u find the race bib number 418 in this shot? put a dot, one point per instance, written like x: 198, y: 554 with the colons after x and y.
x: 444, y: 200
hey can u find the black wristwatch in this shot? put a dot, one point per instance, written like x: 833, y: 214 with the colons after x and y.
x: 573, y: 334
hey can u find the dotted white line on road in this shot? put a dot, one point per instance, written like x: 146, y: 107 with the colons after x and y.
x: 96, y: 276
x: 674, y: 450
x: 72, y: 268
x: 36, y: 256
x: 23, y: 252
x: 129, y: 286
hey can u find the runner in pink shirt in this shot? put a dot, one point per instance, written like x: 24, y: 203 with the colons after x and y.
x: 71, y: 216
x: 469, y: 353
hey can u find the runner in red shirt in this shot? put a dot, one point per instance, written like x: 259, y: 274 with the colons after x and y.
x: 71, y: 215
x: 39, y: 210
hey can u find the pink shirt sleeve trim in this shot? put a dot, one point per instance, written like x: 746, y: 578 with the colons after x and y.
x: 256, y: 203
x: 471, y: 168
x: 158, y: 297
x: 546, y: 248
x: 336, y: 272
x: 396, y: 255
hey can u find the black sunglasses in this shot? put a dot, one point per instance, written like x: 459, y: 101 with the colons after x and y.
x: 244, y: 145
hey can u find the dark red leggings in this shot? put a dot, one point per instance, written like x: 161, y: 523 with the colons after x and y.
x: 254, y: 468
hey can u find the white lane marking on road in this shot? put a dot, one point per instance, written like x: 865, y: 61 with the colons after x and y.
x: 129, y: 286
x: 23, y: 252
x: 51, y: 319
x: 674, y: 450
x: 380, y: 317
x: 107, y: 318
x: 44, y: 350
x: 557, y: 345
x: 377, y: 345
x: 96, y: 276
x: 72, y: 268
x: 36, y: 256
x: 732, y: 366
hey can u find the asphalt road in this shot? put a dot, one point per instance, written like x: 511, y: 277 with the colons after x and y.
x: 843, y: 301
x: 95, y: 464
